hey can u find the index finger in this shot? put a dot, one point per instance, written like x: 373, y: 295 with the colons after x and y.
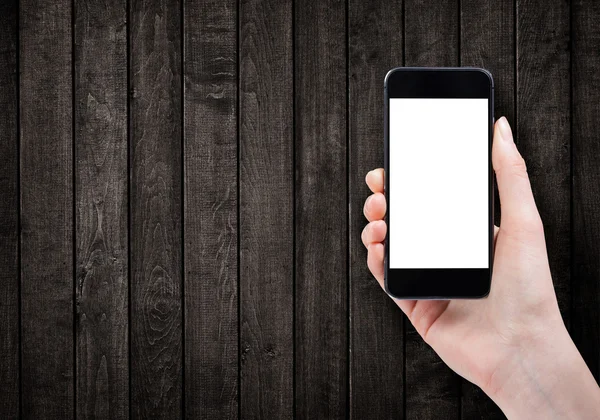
x: 374, y: 180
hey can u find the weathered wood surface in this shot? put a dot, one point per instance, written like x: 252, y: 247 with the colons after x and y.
x: 182, y: 189
x: 102, y: 249
x: 9, y: 212
x: 47, y: 205
x: 266, y: 168
x: 155, y: 200
x: 210, y: 209
x: 321, y: 210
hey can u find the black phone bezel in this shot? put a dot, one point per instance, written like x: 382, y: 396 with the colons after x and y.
x: 431, y: 82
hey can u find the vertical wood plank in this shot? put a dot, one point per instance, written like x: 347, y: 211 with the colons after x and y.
x: 431, y: 31
x: 487, y: 40
x: 321, y: 209
x: 377, y: 348
x: 543, y: 126
x: 266, y: 208
x: 156, y: 265
x: 9, y: 213
x: 210, y: 209
x: 46, y: 209
x: 431, y: 39
x: 585, y: 322
x: 101, y: 209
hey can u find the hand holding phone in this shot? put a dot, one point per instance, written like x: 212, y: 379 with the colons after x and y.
x: 513, y: 344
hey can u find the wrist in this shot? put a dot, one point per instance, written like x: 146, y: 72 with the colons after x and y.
x: 545, y: 378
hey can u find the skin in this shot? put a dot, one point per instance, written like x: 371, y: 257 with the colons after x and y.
x: 513, y: 344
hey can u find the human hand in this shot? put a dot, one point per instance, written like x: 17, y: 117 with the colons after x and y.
x: 513, y: 344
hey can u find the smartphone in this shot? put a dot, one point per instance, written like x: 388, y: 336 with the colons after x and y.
x: 439, y: 182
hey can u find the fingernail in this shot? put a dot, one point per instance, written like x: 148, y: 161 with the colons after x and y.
x: 367, y: 176
x: 368, y: 203
x: 505, y: 131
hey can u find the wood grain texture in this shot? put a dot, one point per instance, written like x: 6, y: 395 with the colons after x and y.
x: 543, y: 126
x: 431, y: 31
x: 375, y: 46
x: 9, y: 213
x: 266, y: 209
x: 321, y: 210
x: 100, y: 112
x: 210, y: 210
x: 432, y: 390
x: 487, y: 41
x: 156, y: 231
x: 585, y: 323
x: 46, y: 209
x: 113, y: 164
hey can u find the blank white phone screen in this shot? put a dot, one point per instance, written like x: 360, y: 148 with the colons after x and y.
x: 439, y: 186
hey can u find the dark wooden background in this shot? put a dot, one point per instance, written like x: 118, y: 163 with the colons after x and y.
x: 182, y: 188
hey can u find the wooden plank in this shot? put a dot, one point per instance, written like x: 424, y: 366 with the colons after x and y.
x: 321, y: 210
x: 543, y: 126
x: 210, y: 210
x: 487, y: 40
x: 431, y: 38
x: 101, y: 209
x: 376, y: 383
x: 46, y: 209
x: 585, y: 323
x: 266, y: 209
x: 156, y: 231
x: 9, y: 213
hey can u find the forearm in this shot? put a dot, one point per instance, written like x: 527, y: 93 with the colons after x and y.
x: 547, y: 380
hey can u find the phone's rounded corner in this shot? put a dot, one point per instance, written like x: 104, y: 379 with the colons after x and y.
x: 389, y: 74
x: 487, y: 74
x: 485, y: 293
x: 386, y: 277
x: 388, y: 290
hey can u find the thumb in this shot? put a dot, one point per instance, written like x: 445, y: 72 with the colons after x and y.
x: 519, y: 211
